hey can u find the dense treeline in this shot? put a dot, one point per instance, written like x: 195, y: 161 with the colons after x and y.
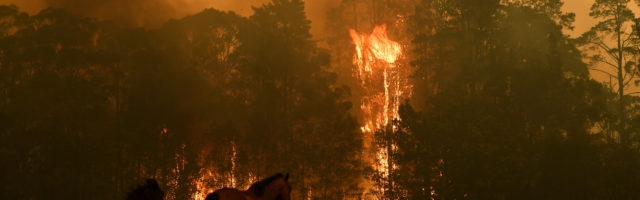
x: 503, y: 107
x: 90, y: 108
x: 511, y: 111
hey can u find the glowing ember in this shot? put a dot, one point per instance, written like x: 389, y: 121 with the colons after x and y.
x: 206, y: 176
x: 201, y: 188
x: 164, y: 131
x: 234, y: 160
x: 384, y: 83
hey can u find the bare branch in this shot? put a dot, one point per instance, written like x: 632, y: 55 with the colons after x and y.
x: 609, y: 64
x: 611, y: 75
x: 606, y: 49
x: 627, y: 39
x: 633, y: 75
x: 626, y: 82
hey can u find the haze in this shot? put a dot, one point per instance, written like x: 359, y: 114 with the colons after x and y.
x: 295, y: 99
x: 152, y: 13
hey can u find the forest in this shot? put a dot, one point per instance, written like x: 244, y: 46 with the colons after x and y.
x: 399, y: 99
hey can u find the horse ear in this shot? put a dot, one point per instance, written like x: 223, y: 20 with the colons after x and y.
x: 152, y: 182
x: 286, y: 177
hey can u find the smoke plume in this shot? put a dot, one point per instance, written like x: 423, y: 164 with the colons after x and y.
x: 152, y: 13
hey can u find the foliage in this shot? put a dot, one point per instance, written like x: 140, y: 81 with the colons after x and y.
x: 515, y: 122
x: 99, y: 107
x: 503, y: 105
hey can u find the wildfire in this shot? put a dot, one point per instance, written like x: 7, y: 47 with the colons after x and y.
x: 201, y: 187
x: 207, y: 180
x: 384, y: 82
x: 378, y: 71
x: 383, y: 79
x: 377, y: 44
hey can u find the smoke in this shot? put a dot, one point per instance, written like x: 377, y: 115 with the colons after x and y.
x: 145, y: 13
x: 152, y: 13
x: 317, y: 12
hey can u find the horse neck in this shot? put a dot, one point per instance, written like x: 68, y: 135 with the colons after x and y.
x: 272, y: 190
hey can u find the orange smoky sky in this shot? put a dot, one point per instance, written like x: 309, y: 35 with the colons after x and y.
x: 152, y: 13
x: 583, y: 21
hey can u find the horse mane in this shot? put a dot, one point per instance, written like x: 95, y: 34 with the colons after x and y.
x: 259, y: 186
x: 212, y: 196
x: 149, y: 191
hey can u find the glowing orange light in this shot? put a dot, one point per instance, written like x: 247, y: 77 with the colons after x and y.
x: 206, y: 176
x: 384, y: 82
x: 375, y: 59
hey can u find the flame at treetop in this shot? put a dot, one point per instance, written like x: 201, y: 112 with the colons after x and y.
x: 384, y: 83
x: 377, y: 45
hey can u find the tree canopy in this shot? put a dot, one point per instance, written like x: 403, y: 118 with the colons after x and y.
x: 503, y: 104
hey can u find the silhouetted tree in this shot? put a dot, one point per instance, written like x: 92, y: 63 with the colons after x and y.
x: 617, y: 60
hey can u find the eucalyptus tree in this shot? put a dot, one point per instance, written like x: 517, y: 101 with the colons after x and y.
x: 612, y: 47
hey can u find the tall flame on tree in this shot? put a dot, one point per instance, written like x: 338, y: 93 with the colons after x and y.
x: 383, y: 80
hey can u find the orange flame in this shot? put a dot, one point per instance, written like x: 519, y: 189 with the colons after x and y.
x: 384, y: 83
x: 207, y: 176
x: 377, y: 44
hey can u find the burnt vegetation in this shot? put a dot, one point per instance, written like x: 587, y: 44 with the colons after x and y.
x: 503, y: 103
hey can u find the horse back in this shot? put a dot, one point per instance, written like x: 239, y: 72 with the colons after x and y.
x: 229, y: 194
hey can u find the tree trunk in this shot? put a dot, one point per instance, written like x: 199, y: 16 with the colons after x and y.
x: 621, y: 125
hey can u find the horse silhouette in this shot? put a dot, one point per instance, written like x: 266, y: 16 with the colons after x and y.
x: 149, y: 191
x: 275, y: 187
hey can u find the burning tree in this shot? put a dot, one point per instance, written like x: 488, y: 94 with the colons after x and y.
x: 373, y: 60
x: 384, y: 82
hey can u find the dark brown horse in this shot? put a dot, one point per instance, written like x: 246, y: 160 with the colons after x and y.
x: 275, y: 187
x: 149, y: 191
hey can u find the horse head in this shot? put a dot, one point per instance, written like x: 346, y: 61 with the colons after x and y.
x: 275, y: 187
x: 149, y: 191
